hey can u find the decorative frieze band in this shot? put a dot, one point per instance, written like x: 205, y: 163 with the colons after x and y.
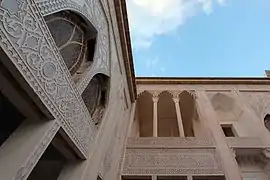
x: 169, y: 142
x: 171, y: 161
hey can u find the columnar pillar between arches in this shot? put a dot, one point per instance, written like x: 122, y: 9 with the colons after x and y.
x: 179, y: 118
x: 155, y: 116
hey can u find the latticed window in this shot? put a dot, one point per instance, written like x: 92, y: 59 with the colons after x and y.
x: 95, y: 96
x: 267, y: 121
x: 74, y: 38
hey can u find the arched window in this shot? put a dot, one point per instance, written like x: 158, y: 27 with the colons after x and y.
x: 75, y: 39
x: 267, y: 121
x: 95, y: 96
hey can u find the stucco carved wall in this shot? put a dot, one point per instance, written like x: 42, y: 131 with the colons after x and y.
x: 26, y: 40
x: 168, y: 142
x: 171, y: 161
x: 259, y: 102
x: 93, y: 12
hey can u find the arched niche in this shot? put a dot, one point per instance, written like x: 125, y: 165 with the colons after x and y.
x: 167, y: 119
x: 95, y: 96
x: 267, y: 121
x: 188, y: 112
x: 75, y: 39
x: 226, y: 108
x: 144, y: 115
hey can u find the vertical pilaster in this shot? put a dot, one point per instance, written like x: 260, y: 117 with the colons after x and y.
x: 179, y: 117
x: 154, y: 177
x: 155, y: 116
x: 20, y: 153
x: 206, y: 109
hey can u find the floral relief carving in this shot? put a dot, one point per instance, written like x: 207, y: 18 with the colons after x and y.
x: 259, y: 102
x: 168, y: 142
x: 171, y: 161
x: 25, y: 38
x: 93, y: 11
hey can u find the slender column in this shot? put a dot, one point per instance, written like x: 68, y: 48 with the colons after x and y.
x: 155, y: 116
x: 206, y: 109
x: 154, y: 177
x: 189, y: 177
x: 179, y: 118
x: 20, y: 153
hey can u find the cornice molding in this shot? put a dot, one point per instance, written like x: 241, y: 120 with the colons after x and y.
x: 202, y: 80
x: 122, y: 19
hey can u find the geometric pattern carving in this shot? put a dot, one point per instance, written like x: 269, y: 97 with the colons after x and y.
x: 95, y: 97
x: 259, y: 102
x: 25, y: 38
x: 168, y: 142
x: 171, y: 161
x: 94, y: 13
x: 69, y: 35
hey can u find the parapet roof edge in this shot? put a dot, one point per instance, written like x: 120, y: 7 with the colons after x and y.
x: 203, y: 80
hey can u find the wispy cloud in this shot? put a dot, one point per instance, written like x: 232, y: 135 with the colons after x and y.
x: 151, y: 18
x: 222, y: 2
x: 154, y: 66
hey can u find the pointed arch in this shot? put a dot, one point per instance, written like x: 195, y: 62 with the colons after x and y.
x: 167, y: 119
x: 144, y: 114
x: 188, y: 112
x: 95, y: 97
x: 226, y: 107
x: 143, y: 92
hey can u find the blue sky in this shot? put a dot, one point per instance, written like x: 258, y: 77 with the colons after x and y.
x: 182, y: 38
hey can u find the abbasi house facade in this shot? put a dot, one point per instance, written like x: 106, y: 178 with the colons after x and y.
x: 71, y: 108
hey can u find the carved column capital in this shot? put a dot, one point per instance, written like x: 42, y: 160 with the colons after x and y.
x: 155, y: 99
x: 175, y: 100
x: 266, y: 153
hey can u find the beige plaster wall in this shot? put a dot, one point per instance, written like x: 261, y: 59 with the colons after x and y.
x: 135, y: 128
x: 199, y: 130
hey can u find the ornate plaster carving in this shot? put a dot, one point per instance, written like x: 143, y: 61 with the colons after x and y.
x: 93, y: 11
x: 170, y: 142
x: 25, y: 38
x: 258, y: 101
x: 171, y: 161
